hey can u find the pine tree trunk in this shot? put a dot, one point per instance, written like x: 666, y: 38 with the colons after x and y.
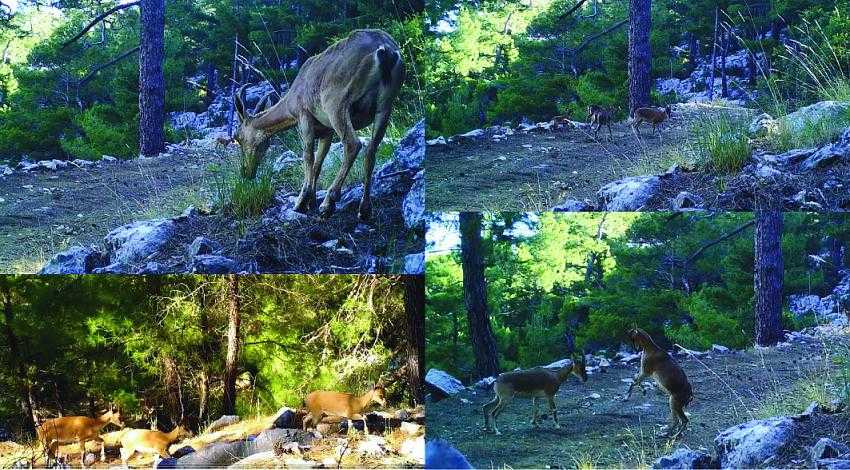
x: 15, y: 362
x: 151, y: 78
x: 768, y: 272
x: 475, y: 296
x: 234, y: 316
x: 640, y: 55
x: 414, y: 307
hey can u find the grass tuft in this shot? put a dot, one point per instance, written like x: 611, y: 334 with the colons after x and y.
x: 721, y: 142
x: 241, y: 197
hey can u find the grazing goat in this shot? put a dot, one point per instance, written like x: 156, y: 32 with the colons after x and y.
x: 69, y: 429
x: 349, y: 86
x: 656, y: 363
x: 345, y: 405
x: 655, y: 116
x: 146, y: 441
x: 600, y: 116
x: 533, y: 383
x: 223, y: 142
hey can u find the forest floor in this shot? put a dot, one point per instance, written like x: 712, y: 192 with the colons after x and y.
x: 603, y: 431
x: 42, y: 214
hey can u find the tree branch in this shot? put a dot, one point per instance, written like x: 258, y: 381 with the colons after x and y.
x: 598, y: 35
x: 573, y: 9
x: 723, y: 237
x: 98, y: 19
x: 104, y: 65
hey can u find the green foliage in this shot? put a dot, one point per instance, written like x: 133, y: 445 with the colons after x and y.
x: 145, y: 342
x: 557, y: 283
x: 103, y: 132
x: 722, y: 142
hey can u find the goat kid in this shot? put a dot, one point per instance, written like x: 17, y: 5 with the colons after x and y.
x: 344, y: 405
x: 657, y: 363
x: 146, y: 441
x: 533, y: 383
x: 654, y: 116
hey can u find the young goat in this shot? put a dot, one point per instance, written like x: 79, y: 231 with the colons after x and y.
x: 57, y: 431
x: 533, y: 383
x: 600, y: 116
x: 656, y: 363
x: 345, y: 405
x: 150, y: 442
x: 654, y: 116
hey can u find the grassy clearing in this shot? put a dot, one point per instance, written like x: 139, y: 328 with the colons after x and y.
x: 721, y: 142
x: 813, y: 133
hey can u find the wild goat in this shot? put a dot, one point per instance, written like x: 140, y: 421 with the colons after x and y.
x: 69, y: 429
x: 344, y: 405
x: 150, y: 442
x: 349, y: 86
x: 656, y: 363
x: 655, y: 116
x: 533, y: 383
x: 223, y: 142
x: 600, y: 116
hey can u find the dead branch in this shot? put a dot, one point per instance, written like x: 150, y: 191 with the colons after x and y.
x: 104, y: 65
x: 722, y: 238
x: 98, y: 19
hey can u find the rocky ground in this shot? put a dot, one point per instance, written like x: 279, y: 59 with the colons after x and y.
x: 395, y: 440
x: 564, y: 167
x: 599, y: 429
x: 45, y: 211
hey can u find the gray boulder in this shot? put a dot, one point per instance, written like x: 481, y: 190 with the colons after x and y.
x: 796, y: 121
x: 750, y: 444
x: 828, y: 153
x: 76, y: 260
x: 134, y: 242
x: 228, y: 453
x: 571, y: 205
x: 213, y: 264
x: 405, y: 163
x: 204, y: 246
x: 826, y: 448
x: 6, y: 170
x: 443, y: 381
x: 628, y: 194
x: 763, y: 125
x: 686, y: 201
x: 224, y: 420
x: 685, y: 458
x: 835, y: 464
x: 413, y: 205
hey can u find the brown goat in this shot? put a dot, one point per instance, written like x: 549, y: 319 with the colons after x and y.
x: 656, y: 363
x: 655, y: 116
x: 600, y: 116
x: 349, y: 86
x: 344, y: 405
x: 69, y: 429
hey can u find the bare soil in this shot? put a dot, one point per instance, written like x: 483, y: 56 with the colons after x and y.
x: 606, y: 432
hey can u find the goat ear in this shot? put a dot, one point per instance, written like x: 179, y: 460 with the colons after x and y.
x: 264, y: 103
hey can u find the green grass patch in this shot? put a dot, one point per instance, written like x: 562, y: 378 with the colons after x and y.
x: 721, y: 142
x: 243, y: 198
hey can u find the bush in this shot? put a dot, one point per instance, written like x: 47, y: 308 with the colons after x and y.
x: 709, y: 325
x: 104, y: 132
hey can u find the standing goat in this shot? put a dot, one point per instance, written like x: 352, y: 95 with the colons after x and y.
x: 600, y: 116
x: 656, y: 363
x: 349, y: 86
x: 150, y: 442
x: 80, y: 429
x: 655, y: 116
x: 344, y: 405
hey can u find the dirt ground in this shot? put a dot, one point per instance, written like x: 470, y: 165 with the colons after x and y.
x: 607, y: 432
x: 42, y: 214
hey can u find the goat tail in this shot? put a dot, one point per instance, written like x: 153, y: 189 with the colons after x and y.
x: 387, y: 61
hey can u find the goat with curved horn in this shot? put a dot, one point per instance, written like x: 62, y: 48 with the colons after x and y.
x: 349, y: 86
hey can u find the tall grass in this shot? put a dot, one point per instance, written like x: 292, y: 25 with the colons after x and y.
x: 721, y: 142
x: 244, y: 198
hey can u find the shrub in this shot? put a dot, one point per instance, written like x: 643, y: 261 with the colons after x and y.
x: 710, y: 325
x: 103, y: 131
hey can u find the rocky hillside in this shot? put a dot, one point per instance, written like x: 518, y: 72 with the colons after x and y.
x: 194, y: 240
x: 396, y: 439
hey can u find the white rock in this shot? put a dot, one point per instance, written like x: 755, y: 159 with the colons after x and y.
x: 750, y: 444
x: 443, y: 381
x: 628, y: 194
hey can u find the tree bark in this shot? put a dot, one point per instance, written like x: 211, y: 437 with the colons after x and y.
x: 768, y: 273
x: 234, y: 316
x: 414, y: 307
x: 640, y: 54
x: 151, y: 78
x: 475, y: 296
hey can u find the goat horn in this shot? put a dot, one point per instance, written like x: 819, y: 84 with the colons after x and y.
x: 264, y: 103
x: 239, y: 102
